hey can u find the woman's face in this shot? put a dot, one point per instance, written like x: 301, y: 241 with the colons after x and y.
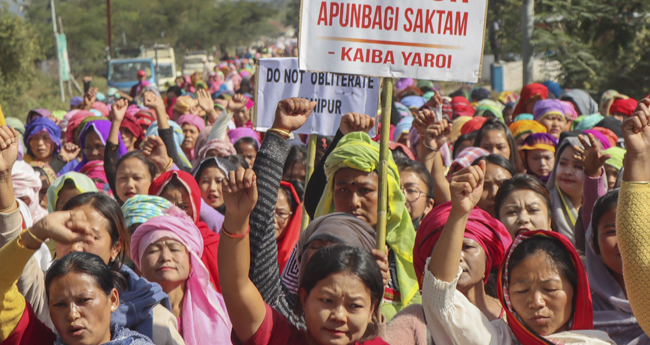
x: 191, y: 134
x: 612, y: 174
x: 494, y: 178
x: 418, y: 203
x: 214, y: 153
x: 42, y: 146
x: 472, y: 262
x: 128, y: 139
x: 337, y: 310
x: 569, y: 174
x: 132, y: 178
x: 65, y: 194
x: 607, y: 242
x: 540, y: 295
x: 540, y: 162
x: 248, y: 151
x: 210, y: 185
x: 495, y: 141
x: 355, y: 192
x: 282, y: 213
x: 80, y: 310
x: 101, y: 243
x: 555, y: 124
x: 297, y: 172
x: 93, y: 146
x: 462, y: 145
x: 179, y: 197
x: 524, y: 209
x: 166, y: 262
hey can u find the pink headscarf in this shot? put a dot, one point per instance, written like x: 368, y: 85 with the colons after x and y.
x: 243, y: 132
x: 193, y: 120
x: 102, y: 108
x: 27, y: 183
x: 95, y: 171
x: 74, y: 122
x: 204, y: 318
x: 224, y: 147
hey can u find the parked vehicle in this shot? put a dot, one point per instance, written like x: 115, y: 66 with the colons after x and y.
x: 165, y: 61
x: 193, y: 62
x: 123, y: 73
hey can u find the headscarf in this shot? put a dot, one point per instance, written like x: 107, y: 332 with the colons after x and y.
x: 403, y: 83
x: 413, y: 101
x: 613, y: 124
x: 569, y: 111
x: 223, y: 164
x: 178, y: 139
x: 404, y: 126
x: 204, y: 317
x: 586, y: 104
x: 38, y: 125
x: 473, y: 125
x: 537, y: 141
x: 460, y: 106
x: 488, y: 232
x: 604, y: 140
x: 357, y: 151
x: 548, y: 107
x: 465, y: 158
x: 491, y: 106
x: 607, y: 99
x: 616, y: 160
x: 456, y: 126
x: 51, y: 175
x: 506, y: 97
x: 101, y: 127
x: 81, y: 182
x: 523, y: 117
x: 623, y: 106
x: 526, y: 126
x: 16, y: 124
x: 529, y: 92
x: 193, y: 120
x: 583, y: 313
x: 244, y: 132
x: 184, y: 104
x: 145, y: 117
x: 75, y: 101
x: 74, y: 123
x: 224, y: 147
x: 216, y: 82
x: 95, y: 171
x: 140, y: 208
x: 40, y: 113
x: 27, y: 183
x: 101, y: 108
x: 586, y: 122
x: 480, y: 94
x: 289, y: 237
x: 564, y: 213
x: 131, y: 124
x: 553, y: 88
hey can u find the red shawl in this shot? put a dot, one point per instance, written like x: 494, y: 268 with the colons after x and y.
x: 527, y: 93
x: 289, y: 237
x: 583, y: 314
x: 210, y: 239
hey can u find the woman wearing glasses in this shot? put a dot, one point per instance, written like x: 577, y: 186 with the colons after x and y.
x: 288, y: 219
x: 417, y: 186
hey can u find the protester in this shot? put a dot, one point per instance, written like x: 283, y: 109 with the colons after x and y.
x: 523, y: 202
x: 495, y: 137
x: 523, y: 128
x: 582, y: 102
x: 209, y: 175
x: 288, y: 220
x: 66, y: 187
x: 530, y: 95
x: 538, y: 154
x: 497, y: 172
x: 418, y: 188
x: 550, y: 113
x: 192, y: 125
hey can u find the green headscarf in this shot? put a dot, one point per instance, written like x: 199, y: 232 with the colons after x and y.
x: 489, y: 105
x: 357, y: 151
x: 584, y: 122
x: 16, y: 124
x: 616, y: 160
x: 83, y: 183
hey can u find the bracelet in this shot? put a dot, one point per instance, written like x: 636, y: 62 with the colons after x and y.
x: 429, y: 147
x: 635, y: 182
x: 169, y: 166
x: 9, y: 208
x: 280, y: 132
x: 236, y: 237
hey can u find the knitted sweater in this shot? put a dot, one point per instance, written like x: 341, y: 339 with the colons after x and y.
x: 633, y: 232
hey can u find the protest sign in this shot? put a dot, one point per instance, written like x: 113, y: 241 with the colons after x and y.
x: 423, y: 39
x: 335, y: 94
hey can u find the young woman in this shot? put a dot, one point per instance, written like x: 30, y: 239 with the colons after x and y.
x: 543, y: 286
x: 499, y: 170
x: 538, y: 153
x: 522, y: 129
x: 131, y: 133
x: 495, y: 137
x: 246, y: 142
x: 192, y: 125
x: 340, y: 290
x: 523, y: 202
x: 209, y: 175
x: 613, y: 165
x: 550, y: 113
x: 288, y: 220
x: 167, y: 250
x: 93, y: 141
x: 133, y: 175
x: 417, y: 186
x: 78, y: 284
x: 66, y: 187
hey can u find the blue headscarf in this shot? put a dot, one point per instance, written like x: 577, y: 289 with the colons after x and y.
x: 178, y: 139
x: 42, y: 124
x: 553, y: 88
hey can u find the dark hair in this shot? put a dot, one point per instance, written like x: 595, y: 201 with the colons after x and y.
x: 497, y: 160
x: 556, y: 254
x: 471, y: 136
x: 496, y: 124
x: 297, y: 154
x: 422, y: 172
x: 86, y: 263
x: 40, y: 171
x: 293, y: 204
x: 399, y: 156
x: 238, y: 161
x: 519, y: 182
x: 112, y: 212
x: 153, y: 170
x: 176, y: 90
x: 602, y: 205
x: 246, y: 140
x: 344, y: 258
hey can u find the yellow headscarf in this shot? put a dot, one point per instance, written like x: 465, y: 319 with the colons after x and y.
x: 357, y: 151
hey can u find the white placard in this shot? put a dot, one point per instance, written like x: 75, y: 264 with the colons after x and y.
x: 335, y: 94
x: 423, y: 39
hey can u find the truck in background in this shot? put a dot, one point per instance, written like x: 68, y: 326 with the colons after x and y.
x: 193, y: 62
x: 123, y: 73
x: 165, y: 62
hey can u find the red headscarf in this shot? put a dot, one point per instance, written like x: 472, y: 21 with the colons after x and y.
x: 74, y: 123
x: 145, y: 117
x: 131, y: 124
x: 529, y: 92
x: 473, y: 125
x: 461, y: 107
x: 623, y: 106
x: 583, y: 314
x: 481, y: 227
x: 210, y: 239
x: 289, y: 237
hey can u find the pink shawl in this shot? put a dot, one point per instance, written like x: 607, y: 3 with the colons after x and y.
x: 27, y: 182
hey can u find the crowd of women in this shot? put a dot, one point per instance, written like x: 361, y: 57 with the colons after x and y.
x: 167, y: 219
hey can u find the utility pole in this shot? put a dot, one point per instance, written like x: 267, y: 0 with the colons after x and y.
x: 56, y: 39
x: 528, y: 8
x: 108, y: 28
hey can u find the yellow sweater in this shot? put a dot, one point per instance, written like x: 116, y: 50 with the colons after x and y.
x: 633, y: 233
x: 12, y: 303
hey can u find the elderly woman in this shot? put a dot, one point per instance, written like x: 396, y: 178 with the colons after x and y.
x: 550, y: 113
x: 27, y: 187
x: 42, y: 141
x: 192, y: 125
x: 167, y: 250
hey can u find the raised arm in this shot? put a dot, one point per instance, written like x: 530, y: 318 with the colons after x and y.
x: 116, y: 116
x: 433, y: 135
x: 155, y: 103
x: 633, y: 215
x: 9, y: 141
x: 246, y: 307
